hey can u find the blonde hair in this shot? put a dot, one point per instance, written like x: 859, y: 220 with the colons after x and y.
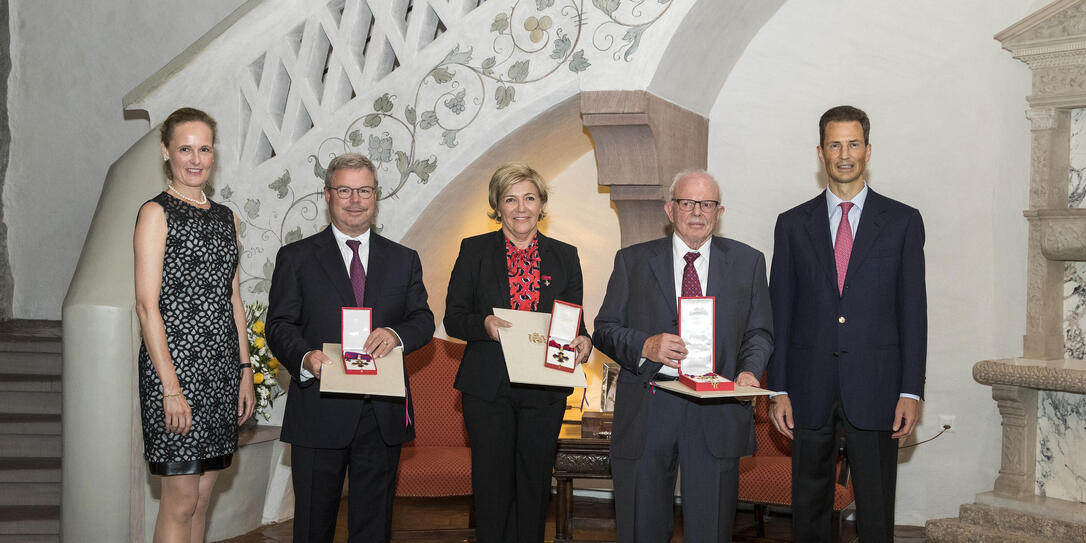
x: 510, y: 174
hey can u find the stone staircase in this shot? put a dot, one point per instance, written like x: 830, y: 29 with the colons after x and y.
x: 30, y: 442
x: 979, y: 523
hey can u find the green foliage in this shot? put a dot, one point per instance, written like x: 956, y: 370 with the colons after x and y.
x: 578, y: 63
x: 281, y: 185
x: 518, y: 72
x: 503, y: 96
x: 561, y: 48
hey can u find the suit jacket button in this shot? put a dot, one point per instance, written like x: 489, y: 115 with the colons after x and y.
x: 841, y: 320
x: 836, y: 354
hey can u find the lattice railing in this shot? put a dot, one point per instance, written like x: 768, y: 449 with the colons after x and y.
x: 325, y: 61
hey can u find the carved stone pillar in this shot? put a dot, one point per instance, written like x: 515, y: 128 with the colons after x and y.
x: 1018, y: 468
x: 1049, y: 156
x: 641, y: 142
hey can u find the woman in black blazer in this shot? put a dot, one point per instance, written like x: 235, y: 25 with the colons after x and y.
x: 513, y: 429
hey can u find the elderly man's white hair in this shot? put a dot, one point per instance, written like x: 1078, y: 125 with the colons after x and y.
x: 687, y: 173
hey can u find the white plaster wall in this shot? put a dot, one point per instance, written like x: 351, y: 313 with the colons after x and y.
x: 71, y: 64
x: 949, y: 137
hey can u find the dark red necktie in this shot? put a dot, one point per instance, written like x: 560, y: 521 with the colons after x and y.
x: 358, y: 273
x: 842, y: 247
x: 691, y: 285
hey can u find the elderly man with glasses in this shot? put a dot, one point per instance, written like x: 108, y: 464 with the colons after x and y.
x: 657, y: 431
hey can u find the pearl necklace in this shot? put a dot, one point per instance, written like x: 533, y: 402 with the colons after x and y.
x: 193, y: 200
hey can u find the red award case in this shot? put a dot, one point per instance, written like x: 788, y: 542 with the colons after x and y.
x: 357, y: 324
x: 565, y: 322
x: 696, y: 371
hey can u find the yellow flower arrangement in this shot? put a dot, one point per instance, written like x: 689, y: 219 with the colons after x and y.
x: 265, y: 366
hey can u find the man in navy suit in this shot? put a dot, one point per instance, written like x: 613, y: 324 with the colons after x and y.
x: 850, y: 314
x: 345, y: 265
x: 657, y: 431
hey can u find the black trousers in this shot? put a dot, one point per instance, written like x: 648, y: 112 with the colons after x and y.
x: 318, y: 474
x: 513, y: 443
x: 872, y: 458
x: 645, y: 486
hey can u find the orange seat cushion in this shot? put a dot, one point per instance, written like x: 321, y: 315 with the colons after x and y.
x: 434, y: 471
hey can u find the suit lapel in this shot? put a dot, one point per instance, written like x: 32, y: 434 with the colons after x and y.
x: 720, y: 263
x: 500, y: 286
x: 376, y: 274
x: 661, y: 265
x: 867, y: 231
x: 818, y: 229
x: 331, y: 261
x: 548, y: 269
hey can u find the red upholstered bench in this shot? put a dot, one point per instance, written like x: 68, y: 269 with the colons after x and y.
x: 438, y: 461
x: 766, y: 478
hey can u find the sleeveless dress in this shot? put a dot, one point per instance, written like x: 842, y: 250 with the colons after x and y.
x: 197, y: 274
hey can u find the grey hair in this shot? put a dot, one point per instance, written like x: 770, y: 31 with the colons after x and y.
x: 349, y: 161
x: 687, y: 173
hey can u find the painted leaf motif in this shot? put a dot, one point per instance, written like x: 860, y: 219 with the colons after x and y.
x: 226, y: 192
x: 355, y: 137
x: 441, y: 75
x: 448, y: 138
x: 383, y: 103
x: 293, y: 235
x: 503, y: 95
x: 373, y: 120
x: 252, y: 208
x: 261, y: 286
x: 488, y: 66
x: 578, y: 63
x: 501, y: 22
x: 318, y: 170
x: 455, y: 103
x: 380, y: 149
x: 241, y: 228
x: 561, y: 47
x: 423, y: 169
x: 543, y: 4
x: 269, y: 267
x: 519, y: 70
x: 402, y: 163
x: 280, y: 185
x: 429, y: 119
x: 607, y: 6
x: 456, y: 56
x: 409, y: 114
x: 633, y: 37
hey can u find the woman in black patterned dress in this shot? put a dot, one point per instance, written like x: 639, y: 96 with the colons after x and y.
x: 193, y: 393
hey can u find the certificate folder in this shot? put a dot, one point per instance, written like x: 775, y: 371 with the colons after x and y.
x: 525, y: 344
x: 387, y: 381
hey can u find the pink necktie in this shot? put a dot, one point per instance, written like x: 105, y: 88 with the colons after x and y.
x: 691, y: 285
x: 358, y: 273
x: 842, y: 248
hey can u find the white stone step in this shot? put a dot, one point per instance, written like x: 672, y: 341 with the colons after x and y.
x: 30, y: 470
x: 29, y: 494
x: 29, y: 446
x: 46, y: 403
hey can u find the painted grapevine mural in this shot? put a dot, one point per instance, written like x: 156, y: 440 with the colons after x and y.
x: 403, y: 135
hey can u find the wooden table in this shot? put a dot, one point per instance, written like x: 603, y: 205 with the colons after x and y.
x: 581, y: 458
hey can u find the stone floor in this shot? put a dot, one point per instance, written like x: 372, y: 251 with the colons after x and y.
x: 421, y: 519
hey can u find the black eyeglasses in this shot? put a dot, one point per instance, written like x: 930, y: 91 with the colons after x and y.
x: 707, y: 206
x: 344, y: 193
